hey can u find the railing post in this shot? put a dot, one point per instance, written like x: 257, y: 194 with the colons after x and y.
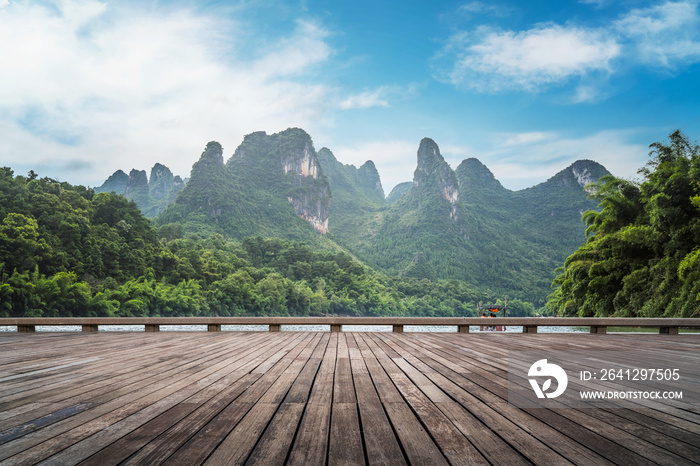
x: 90, y: 327
x: 336, y: 328
x: 668, y: 330
x: 213, y: 327
x: 529, y: 328
x: 152, y: 328
x: 599, y: 329
x: 274, y: 327
x: 26, y: 328
x: 397, y: 328
x: 463, y: 329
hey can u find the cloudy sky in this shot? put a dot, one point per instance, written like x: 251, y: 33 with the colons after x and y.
x: 89, y: 87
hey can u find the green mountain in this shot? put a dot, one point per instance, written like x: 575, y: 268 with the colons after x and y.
x: 66, y: 251
x: 398, y: 191
x: 152, y: 194
x: 358, y: 200
x: 446, y: 224
x: 272, y: 186
x: 465, y: 225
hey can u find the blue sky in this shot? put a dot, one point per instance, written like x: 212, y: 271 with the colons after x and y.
x: 89, y: 87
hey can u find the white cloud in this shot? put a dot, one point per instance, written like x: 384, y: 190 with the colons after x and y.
x: 122, y: 87
x: 366, y: 99
x: 492, y: 61
x: 664, y: 34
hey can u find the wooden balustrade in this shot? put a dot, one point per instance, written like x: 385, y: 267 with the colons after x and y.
x: 529, y: 324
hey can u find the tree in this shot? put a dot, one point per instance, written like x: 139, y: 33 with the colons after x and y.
x: 640, y: 258
x: 21, y: 248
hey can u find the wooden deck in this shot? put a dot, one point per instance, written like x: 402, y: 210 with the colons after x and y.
x: 312, y: 399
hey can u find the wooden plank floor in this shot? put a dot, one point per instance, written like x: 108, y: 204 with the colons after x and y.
x: 313, y: 398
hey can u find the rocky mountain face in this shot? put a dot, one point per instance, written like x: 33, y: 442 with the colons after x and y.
x: 358, y: 198
x: 162, y: 184
x: 273, y: 185
x: 311, y: 196
x: 434, y: 174
x: 152, y: 195
x: 289, y: 162
x: 445, y: 224
x: 116, y: 183
x: 464, y: 224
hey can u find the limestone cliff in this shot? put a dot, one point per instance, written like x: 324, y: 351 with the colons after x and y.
x: 285, y: 165
x: 162, y: 184
x: 137, y: 187
x: 311, y: 195
x: 301, y: 160
x: 433, y: 173
x: 579, y: 174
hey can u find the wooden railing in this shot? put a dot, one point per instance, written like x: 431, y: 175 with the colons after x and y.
x: 529, y: 324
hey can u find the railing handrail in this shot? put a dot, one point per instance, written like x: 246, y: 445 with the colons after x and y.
x: 331, y: 320
x: 529, y: 324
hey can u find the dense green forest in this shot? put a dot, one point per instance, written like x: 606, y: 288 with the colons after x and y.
x: 66, y: 251
x: 444, y: 225
x: 464, y: 224
x: 69, y: 251
x: 642, y: 256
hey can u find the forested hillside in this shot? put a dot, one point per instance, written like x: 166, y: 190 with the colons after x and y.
x: 66, y: 251
x: 272, y: 186
x: 445, y: 224
x: 465, y: 225
x: 357, y: 203
x: 642, y: 256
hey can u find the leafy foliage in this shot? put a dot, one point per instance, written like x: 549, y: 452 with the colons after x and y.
x: 495, y: 239
x: 66, y: 251
x: 641, y: 256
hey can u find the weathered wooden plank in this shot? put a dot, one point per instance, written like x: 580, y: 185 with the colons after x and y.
x: 274, y: 445
x: 531, y: 437
x: 236, y: 448
x: 416, y: 442
x: 316, y: 398
x: 451, y: 441
x: 580, y: 426
x: 345, y: 444
x: 217, y: 394
x: 220, y: 430
x: 311, y: 443
x: 158, y: 449
x: 120, y: 412
x: 122, y: 421
x: 381, y: 445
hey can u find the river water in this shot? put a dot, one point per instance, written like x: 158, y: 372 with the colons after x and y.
x: 292, y: 328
